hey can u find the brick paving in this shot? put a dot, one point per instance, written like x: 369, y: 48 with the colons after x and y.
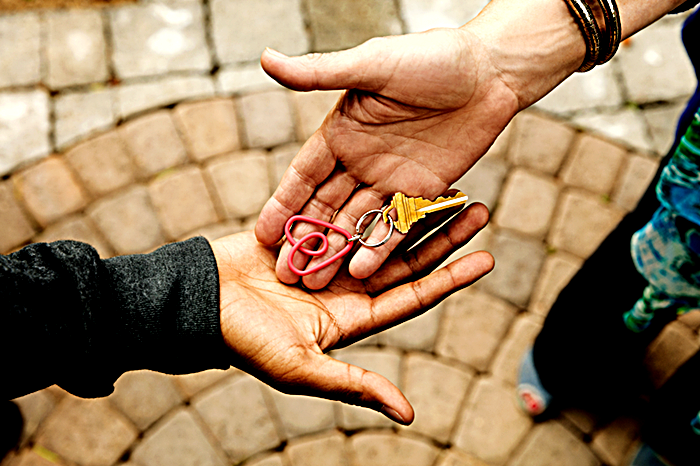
x: 131, y: 126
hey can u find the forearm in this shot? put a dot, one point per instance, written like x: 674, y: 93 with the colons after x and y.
x: 75, y: 320
x: 536, y: 44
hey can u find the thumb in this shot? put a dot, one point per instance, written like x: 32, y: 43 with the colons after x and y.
x: 356, y: 68
x: 336, y: 380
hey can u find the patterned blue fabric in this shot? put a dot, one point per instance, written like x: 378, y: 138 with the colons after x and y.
x: 666, y: 251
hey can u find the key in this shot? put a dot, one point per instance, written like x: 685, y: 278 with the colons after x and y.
x: 411, y: 209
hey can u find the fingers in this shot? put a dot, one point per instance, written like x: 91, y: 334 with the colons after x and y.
x: 329, y: 378
x: 368, y: 260
x: 424, y: 258
x: 359, y: 67
x: 362, y: 201
x: 415, y: 297
x: 311, y: 166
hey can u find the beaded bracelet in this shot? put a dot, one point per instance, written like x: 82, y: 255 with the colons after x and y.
x: 613, y: 29
x: 590, y: 31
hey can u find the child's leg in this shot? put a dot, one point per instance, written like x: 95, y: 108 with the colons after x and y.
x: 584, y: 354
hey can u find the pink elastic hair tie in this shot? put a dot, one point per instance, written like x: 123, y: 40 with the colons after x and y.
x: 297, y: 245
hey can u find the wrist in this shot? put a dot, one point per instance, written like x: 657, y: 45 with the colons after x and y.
x: 534, y: 44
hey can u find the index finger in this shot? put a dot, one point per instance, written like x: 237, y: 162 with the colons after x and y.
x: 309, y: 168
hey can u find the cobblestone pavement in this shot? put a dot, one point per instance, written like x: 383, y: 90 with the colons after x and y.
x: 133, y: 126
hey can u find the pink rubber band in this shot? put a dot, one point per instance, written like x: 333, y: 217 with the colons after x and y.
x: 297, y: 244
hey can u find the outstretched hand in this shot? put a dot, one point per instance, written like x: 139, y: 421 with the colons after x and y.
x: 280, y: 333
x: 420, y: 111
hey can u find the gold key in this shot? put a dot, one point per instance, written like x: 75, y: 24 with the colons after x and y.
x: 411, y: 209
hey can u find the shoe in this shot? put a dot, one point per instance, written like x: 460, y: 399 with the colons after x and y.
x: 532, y: 396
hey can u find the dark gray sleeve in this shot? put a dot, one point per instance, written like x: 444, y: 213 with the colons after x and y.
x: 72, y: 319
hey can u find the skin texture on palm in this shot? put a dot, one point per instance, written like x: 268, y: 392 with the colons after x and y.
x: 281, y: 333
x: 419, y: 110
x: 386, y: 136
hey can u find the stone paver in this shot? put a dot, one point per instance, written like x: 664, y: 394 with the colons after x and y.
x: 540, y: 143
x: 527, y: 203
x: 144, y: 396
x: 24, y: 128
x: 345, y: 23
x: 582, y: 222
x: 269, y: 460
x: 139, y: 96
x: 20, y: 42
x: 102, y: 164
x: 612, y: 443
x: 593, y: 165
x: 238, y: 417
x: 177, y: 441
x: 160, y: 37
x: 324, y: 450
x: 662, y: 122
x: 153, y: 143
x: 17, y: 228
x: 190, y: 384
x: 675, y: 345
x: 82, y: 114
x: 302, y: 415
x: 76, y: 51
x: 50, y: 190
x: 651, y: 50
x: 34, y: 407
x: 76, y: 423
x: 128, y: 221
x: 634, y: 180
x: 311, y: 109
x: 492, y: 424
x: 241, y: 183
x: 473, y: 325
x: 182, y: 201
x: 626, y: 126
x: 150, y: 110
x: 454, y: 457
x: 436, y: 391
x: 483, y: 182
x: 557, y: 271
x: 384, y: 449
x: 520, y: 337
x: 417, y: 334
x: 386, y: 363
x: 421, y: 15
x: 242, y: 30
x: 518, y: 262
x: 268, y: 118
x: 209, y: 128
x: 551, y: 444
x: 246, y: 77
x: 595, y: 89
x: 76, y: 228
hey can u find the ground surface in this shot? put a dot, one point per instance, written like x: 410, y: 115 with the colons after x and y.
x: 135, y: 125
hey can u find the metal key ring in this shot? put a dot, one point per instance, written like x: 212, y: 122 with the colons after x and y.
x: 362, y: 220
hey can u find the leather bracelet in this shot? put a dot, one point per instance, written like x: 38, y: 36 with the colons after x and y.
x: 613, y: 30
x: 589, y: 29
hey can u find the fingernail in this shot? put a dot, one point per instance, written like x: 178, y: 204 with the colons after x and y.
x: 392, y: 414
x: 275, y: 53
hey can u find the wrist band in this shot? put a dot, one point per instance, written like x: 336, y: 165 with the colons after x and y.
x: 589, y: 29
x: 613, y: 29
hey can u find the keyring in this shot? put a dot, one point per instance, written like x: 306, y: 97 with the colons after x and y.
x: 408, y: 210
x: 362, y: 220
